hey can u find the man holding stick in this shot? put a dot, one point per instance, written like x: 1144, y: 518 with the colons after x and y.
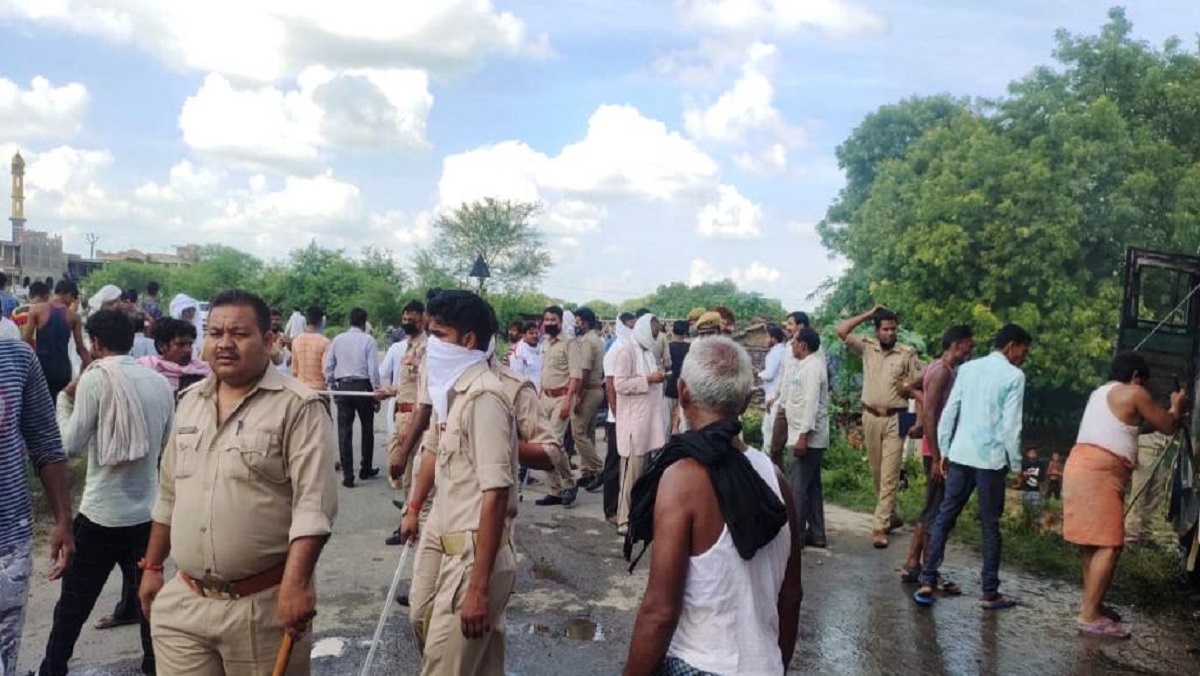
x: 247, y: 441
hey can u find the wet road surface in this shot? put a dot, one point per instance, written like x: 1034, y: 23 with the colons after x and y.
x: 575, y: 604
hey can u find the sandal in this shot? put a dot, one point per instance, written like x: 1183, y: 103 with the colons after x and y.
x: 909, y: 575
x: 997, y: 602
x: 1110, y: 612
x: 949, y: 588
x: 1104, y: 628
x: 924, y: 596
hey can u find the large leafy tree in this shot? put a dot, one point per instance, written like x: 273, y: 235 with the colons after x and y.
x: 1021, y: 209
x: 335, y: 282
x: 677, y: 299
x: 498, y: 230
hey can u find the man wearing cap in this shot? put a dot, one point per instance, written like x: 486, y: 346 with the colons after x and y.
x: 556, y: 386
x: 708, y: 325
x: 887, y: 367
x: 247, y: 497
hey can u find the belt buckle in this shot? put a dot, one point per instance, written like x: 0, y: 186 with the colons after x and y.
x: 217, y: 586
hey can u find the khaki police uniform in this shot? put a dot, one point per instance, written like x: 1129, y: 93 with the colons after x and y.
x: 477, y: 453
x: 589, y: 356
x: 556, y: 380
x: 272, y: 459
x: 533, y: 426
x: 411, y: 368
x: 884, y: 371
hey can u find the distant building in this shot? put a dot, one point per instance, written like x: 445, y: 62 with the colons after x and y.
x: 38, y: 255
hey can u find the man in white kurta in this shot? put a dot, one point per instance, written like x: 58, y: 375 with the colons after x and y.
x: 640, y: 404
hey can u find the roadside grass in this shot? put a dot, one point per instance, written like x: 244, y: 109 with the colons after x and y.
x: 1147, y: 576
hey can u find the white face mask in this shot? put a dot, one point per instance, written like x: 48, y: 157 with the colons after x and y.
x: 445, y: 364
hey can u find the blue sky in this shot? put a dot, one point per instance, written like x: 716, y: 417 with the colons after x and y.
x: 667, y: 140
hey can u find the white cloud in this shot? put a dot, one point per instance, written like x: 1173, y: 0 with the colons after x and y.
x: 367, y: 110
x: 627, y: 154
x: 772, y: 160
x: 66, y: 183
x: 266, y: 40
x: 746, y: 114
x: 710, y: 60
x: 403, y: 230
x: 836, y: 18
x: 43, y: 110
x: 625, y: 157
x: 731, y: 216
x: 756, y: 277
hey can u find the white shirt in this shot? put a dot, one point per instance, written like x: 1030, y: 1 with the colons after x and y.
x: 9, y: 329
x: 805, y: 397
x: 122, y: 495
x: 772, y: 369
x: 391, y: 369
x: 527, y: 361
x: 295, y: 326
x: 729, y: 622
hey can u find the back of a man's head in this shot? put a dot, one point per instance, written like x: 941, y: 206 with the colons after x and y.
x: 111, y: 329
x: 358, y: 318
x: 152, y: 288
x: 314, y: 316
x: 718, y: 375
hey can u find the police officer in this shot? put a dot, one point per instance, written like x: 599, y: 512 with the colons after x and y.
x: 475, y: 478
x: 556, y: 402
x: 246, y: 440
x: 412, y: 322
x: 888, y: 367
x: 587, y: 383
x: 537, y: 448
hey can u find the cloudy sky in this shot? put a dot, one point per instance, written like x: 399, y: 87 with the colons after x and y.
x: 667, y: 139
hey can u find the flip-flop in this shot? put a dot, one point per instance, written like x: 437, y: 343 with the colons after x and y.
x: 910, y: 575
x: 924, y: 596
x: 949, y: 588
x: 1110, y: 612
x: 1104, y: 628
x: 997, y: 602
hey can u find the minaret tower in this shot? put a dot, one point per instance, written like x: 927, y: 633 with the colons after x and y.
x: 18, y: 198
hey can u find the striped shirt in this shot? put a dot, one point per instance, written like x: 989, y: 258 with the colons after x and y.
x: 27, y: 425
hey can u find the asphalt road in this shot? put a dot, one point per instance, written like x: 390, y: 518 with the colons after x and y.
x: 575, y: 603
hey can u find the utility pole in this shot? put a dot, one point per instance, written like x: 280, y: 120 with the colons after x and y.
x: 92, y: 238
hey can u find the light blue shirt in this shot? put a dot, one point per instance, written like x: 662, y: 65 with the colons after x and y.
x: 353, y: 354
x: 981, y: 424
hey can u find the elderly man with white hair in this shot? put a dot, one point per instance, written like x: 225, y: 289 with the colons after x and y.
x: 724, y: 590
x: 640, y: 407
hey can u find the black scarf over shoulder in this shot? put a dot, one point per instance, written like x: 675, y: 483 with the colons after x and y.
x: 752, y: 511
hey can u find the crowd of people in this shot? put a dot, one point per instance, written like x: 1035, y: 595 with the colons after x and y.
x: 160, y: 397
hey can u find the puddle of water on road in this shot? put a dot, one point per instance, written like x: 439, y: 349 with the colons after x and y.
x: 545, y: 571
x: 328, y: 647
x: 576, y: 628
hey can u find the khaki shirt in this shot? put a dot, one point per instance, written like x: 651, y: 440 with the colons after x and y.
x: 429, y: 440
x: 884, y: 371
x: 412, y: 369
x: 662, y: 351
x: 556, y: 370
x: 589, y: 356
x: 533, y: 425
x: 477, y: 451
x: 236, y: 495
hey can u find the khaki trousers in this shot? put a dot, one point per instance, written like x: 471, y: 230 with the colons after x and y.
x: 424, y: 581
x: 447, y: 651
x: 404, y: 483
x: 632, y: 468
x: 196, y: 636
x: 562, y: 477
x: 885, y: 452
x: 583, y: 427
x: 1147, y: 487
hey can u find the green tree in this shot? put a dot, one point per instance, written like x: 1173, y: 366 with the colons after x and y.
x: 220, y: 267
x: 1021, y: 210
x: 498, y: 230
x: 333, y: 281
x: 677, y: 299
